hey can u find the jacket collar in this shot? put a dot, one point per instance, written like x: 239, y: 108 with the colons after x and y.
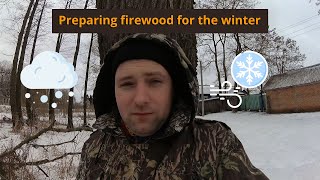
x: 180, y: 118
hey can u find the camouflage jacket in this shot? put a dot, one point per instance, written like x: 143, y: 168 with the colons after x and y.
x: 185, y: 148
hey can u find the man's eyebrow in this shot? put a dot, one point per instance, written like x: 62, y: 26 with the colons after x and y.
x: 129, y: 77
x: 153, y: 74
x: 124, y: 78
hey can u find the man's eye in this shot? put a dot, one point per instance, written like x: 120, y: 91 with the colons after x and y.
x: 156, y: 81
x: 126, y: 84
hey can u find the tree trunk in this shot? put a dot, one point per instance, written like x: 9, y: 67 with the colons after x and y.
x: 187, y: 41
x: 215, y: 53
x: 21, y: 61
x: 51, y: 92
x: 222, y: 39
x: 238, y: 51
x: 223, y: 42
x: 31, y: 114
x: 75, y: 59
x: 13, y: 77
x: 86, y: 85
x: 70, y: 104
x: 20, y: 65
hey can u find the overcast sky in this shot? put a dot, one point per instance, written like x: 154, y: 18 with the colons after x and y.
x: 299, y: 20
x: 295, y: 19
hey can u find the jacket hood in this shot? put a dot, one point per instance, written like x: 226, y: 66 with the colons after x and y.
x: 183, y: 110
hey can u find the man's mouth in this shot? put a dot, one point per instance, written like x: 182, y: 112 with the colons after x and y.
x: 142, y: 113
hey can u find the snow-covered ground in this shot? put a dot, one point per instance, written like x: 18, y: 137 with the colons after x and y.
x: 283, y: 146
x: 64, y: 168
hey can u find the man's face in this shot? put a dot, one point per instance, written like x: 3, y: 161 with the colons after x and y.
x: 143, y: 90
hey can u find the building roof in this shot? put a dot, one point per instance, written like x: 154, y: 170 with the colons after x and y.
x: 306, y: 75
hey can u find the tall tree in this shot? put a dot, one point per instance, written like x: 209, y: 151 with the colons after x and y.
x: 51, y: 91
x: 215, y: 53
x: 86, y: 84
x: 21, y: 62
x: 220, y: 44
x: 29, y: 105
x: 317, y: 2
x: 75, y: 59
x: 223, y: 38
x: 211, y: 42
x: 187, y: 41
x: 281, y: 54
x: 13, y: 78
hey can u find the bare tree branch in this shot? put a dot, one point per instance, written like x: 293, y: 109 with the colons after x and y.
x: 57, y: 144
x: 29, y: 139
x: 42, y: 171
x: 72, y: 130
x: 36, y: 163
x: 44, y: 161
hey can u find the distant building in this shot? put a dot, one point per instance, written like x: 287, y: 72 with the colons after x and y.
x: 294, y: 91
x: 206, y: 92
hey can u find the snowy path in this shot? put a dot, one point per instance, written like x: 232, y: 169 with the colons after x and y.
x: 283, y: 146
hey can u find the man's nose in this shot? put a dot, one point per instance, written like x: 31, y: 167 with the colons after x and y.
x: 142, y: 95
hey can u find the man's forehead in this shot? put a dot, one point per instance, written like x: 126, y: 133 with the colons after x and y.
x: 142, y: 67
x: 130, y: 75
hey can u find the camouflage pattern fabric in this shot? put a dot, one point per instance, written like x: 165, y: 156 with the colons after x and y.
x: 185, y: 148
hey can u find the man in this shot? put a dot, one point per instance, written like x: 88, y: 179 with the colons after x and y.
x: 145, y: 100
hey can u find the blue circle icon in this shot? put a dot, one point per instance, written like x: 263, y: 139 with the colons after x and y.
x: 249, y: 69
x: 44, y: 98
x: 58, y: 94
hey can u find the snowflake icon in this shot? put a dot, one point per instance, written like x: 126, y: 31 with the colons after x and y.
x: 249, y: 69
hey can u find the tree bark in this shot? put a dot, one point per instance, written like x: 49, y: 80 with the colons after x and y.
x: 186, y: 41
x: 13, y: 77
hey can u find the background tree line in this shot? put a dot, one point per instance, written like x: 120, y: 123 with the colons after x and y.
x: 219, y: 49
x: 215, y: 50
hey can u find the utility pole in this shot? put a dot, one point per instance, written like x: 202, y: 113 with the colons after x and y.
x: 202, y: 98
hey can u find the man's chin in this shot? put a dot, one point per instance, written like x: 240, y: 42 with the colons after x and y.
x: 143, y: 132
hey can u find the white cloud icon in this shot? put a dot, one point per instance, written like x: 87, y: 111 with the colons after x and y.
x: 49, y: 70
